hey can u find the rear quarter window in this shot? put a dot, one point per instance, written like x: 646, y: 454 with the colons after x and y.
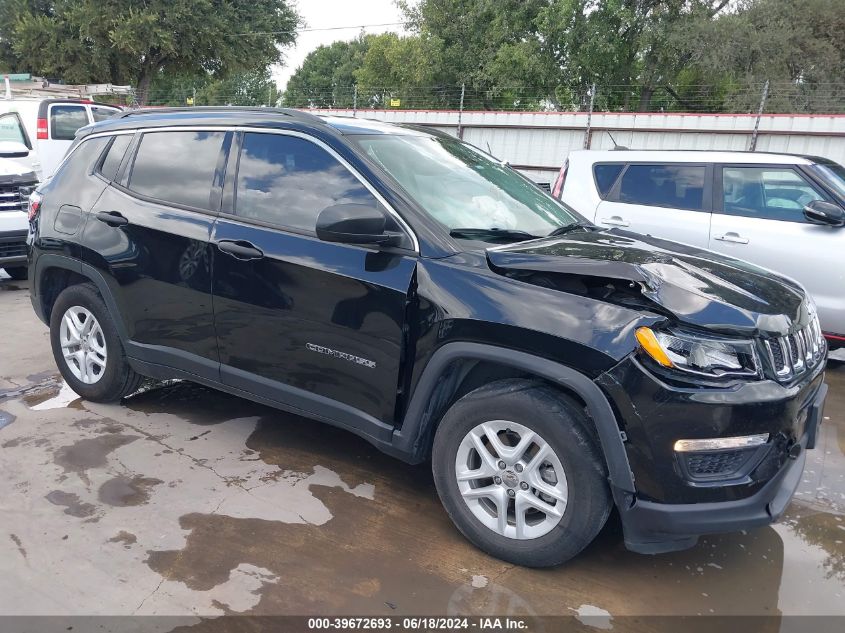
x: 605, y: 176
x: 114, y: 155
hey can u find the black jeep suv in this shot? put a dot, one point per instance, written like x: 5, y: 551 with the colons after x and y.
x: 406, y: 286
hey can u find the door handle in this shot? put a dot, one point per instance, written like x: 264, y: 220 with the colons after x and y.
x: 112, y: 218
x: 615, y: 220
x: 734, y: 238
x: 240, y: 249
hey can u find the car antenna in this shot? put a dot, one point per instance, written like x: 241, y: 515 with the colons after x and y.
x: 615, y: 145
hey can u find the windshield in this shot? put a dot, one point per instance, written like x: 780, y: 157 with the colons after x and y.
x: 833, y: 174
x: 462, y: 188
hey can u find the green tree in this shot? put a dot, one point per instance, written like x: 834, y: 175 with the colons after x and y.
x: 326, y: 76
x: 132, y: 41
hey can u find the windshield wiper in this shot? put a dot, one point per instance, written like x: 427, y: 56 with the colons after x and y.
x: 574, y: 226
x: 498, y: 234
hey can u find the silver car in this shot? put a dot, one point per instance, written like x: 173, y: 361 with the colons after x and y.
x: 780, y: 211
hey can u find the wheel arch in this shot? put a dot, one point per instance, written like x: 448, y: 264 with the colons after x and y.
x: 447, y: 376
x: 53, y: 273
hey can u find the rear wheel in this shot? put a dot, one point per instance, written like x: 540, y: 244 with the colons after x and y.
x: 520, y: 474
x: 18, y: 273
x: 87, y: 348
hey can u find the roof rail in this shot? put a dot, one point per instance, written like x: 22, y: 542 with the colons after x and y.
x: 295, y: 114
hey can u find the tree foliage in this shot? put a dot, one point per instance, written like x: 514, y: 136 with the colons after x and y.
x: 707, y: 55
x: 132, y: 41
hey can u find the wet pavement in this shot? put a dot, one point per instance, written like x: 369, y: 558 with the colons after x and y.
x: 185, y: 501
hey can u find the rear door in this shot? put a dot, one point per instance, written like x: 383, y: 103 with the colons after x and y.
x: 315, y: 324
x: 668, y: 200
x: 759, y: 218
x: 149, y: 233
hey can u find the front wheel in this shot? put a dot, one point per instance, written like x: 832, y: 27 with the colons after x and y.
x: 520, y: 474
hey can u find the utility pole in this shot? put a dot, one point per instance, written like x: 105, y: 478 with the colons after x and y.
x: 763, y: 98
x: 461, y: 112
x: 354, y: 100
x: 269, y: 95
x: 588, y: 132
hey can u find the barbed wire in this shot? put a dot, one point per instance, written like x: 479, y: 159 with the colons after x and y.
x: 781, y: 97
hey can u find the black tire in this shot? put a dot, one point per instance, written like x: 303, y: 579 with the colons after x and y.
x: 18, y: 273
x: 118, y: 378
x: 563, y: 425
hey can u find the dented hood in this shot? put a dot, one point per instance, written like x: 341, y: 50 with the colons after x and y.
x: 696, y: 286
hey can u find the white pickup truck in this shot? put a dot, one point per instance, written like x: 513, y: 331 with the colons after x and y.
x: 16, y: 183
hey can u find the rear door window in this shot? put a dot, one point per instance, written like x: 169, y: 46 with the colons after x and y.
x: 65, y: 120
x: 177, y: 167
x: 773, y: 193
x: 606, y: 175
x: 668, y: 185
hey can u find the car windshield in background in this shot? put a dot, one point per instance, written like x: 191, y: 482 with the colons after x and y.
x: 833, y: 174
x: 462, y: 188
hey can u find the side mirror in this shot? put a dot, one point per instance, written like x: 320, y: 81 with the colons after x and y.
x: 13, y: 149
x: 821, y: 212
x: 355, y: 224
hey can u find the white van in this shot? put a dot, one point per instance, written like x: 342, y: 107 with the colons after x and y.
x: 780, y: 211
x: 46, y: 128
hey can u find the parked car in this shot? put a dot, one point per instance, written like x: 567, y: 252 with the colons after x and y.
x: 16, y: 184
x: 404, y: 286
x: 779, y: 211
x: 46, y: 128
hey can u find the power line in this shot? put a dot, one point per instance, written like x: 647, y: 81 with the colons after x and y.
x: 326, y: 28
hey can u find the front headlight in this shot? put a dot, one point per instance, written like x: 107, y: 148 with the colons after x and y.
x: 699, y: 355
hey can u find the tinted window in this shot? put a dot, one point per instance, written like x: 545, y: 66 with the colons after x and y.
x: 606, y: 175
x: 678, y: 186
x: 177, y: 166
x: 11, y: 129
x: 774, y: 193
x: 114, y: 155
x: 65, y: 120
x: 100, y: 113
x: 288, y: 180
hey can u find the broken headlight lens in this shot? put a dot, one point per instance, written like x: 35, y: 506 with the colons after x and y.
x: 699, y: 355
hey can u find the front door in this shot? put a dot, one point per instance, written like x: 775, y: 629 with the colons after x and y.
x: 760, y: 219
x: 314, y: 324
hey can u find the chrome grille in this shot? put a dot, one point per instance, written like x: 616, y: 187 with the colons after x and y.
x: 797, y: 353
x: 14, y: 197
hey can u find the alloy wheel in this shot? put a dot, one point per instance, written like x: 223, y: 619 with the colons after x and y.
x: 83, y: 345
x: 511, y: 479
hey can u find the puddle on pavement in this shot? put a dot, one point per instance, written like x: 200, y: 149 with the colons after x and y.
x: 191, y: 402
x: 73, y: 505
x: 127, y: 538
x: 40, y: 388
x: 399, y: 553
x: 125, y: 491
x: 90, y: 453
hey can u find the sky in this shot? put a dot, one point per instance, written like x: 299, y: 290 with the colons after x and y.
x: 319, y: 14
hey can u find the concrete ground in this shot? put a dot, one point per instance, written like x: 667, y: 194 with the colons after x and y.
x: 184, y: 501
